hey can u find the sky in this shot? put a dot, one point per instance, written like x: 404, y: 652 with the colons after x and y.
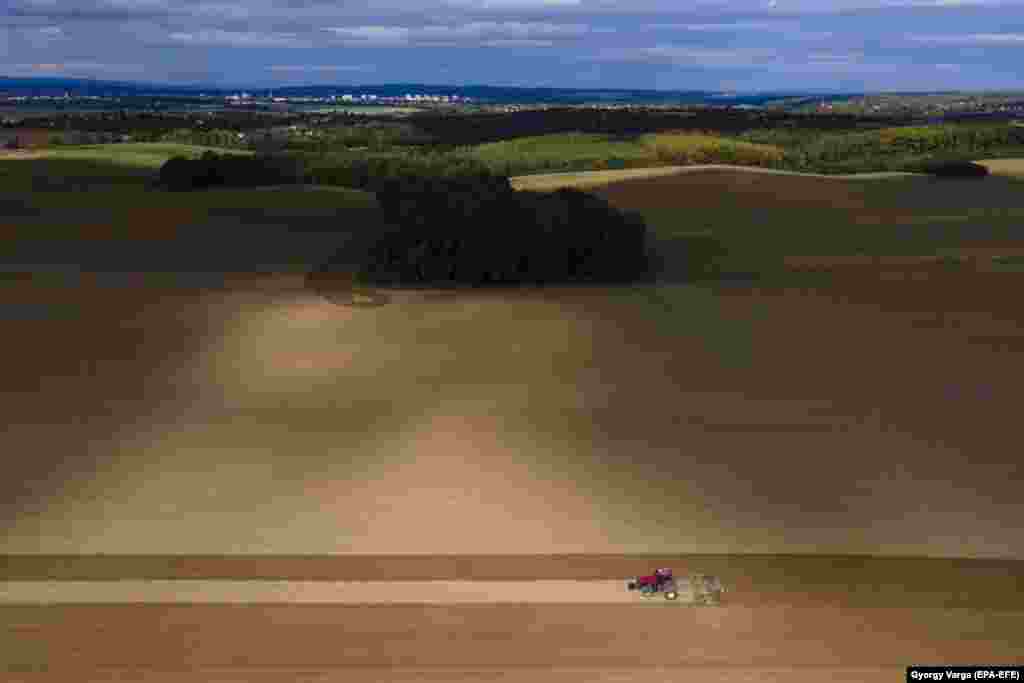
x: 722, y: 45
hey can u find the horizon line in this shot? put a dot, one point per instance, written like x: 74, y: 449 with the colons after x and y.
x: 725, y: 91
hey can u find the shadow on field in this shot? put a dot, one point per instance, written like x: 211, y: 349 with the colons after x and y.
x: 696, y: 258
x: 68, y: 175
x: 683, y: 259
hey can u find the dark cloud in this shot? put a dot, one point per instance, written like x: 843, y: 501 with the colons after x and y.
x: 618, y: 43
x: 87, y: 10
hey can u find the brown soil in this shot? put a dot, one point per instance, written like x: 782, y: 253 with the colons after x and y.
x: 1010, y: 167
x: 262, y: 420
x: 596, y: 179
x: 751, y: 580
x: 646, y: 674
x: 866, y: 415
x: 70, y: 641
x: 713, y: 188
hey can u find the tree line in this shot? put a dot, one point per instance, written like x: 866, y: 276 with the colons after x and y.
x: 459, y: 130
x: 372, y: 173
x: 449, y: 232
x: 226, y: 170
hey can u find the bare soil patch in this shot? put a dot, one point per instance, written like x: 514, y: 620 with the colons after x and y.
x: 715, y: 188
x: 595, y: 179
x: 619, y: 423
x: 61, y: 639
x: 643, y: 674
x: 1009, y: 167
x: 838, y: 581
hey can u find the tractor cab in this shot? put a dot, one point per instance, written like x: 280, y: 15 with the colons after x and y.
x: 661, y: 581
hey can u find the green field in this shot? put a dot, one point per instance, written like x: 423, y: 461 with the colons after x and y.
x: 99, y: 195
x: 587, y: 151
x: 764, y: 219
x: 135, y: 155
x: 698, y: 148
x: 761, y: 220
x: 92, y: 167
x: 902, y: 148
x: 564, y: 151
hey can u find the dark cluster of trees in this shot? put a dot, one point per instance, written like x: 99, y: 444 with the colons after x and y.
x: 916, y: 140
x: 214, y: 170
x: 155, y: 126
x: 492, y: 127
x: 905, y: 148
x: 377, y: 172
x: 955, y: 169
x: 371, y: 173
x: 372, y: 134
x: 482, y: 233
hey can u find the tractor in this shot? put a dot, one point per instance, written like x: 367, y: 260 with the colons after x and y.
x: 697, y: 589
x: 661, y: 581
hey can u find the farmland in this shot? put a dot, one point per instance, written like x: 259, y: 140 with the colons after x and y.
x: 707, y: 337
x: 176, y: 387
x: 139, y: 155
x: 47, y: 215
x: 766, y: 216
x: 1010, y: 167
x: 901, y: 148
x: 577, y: 151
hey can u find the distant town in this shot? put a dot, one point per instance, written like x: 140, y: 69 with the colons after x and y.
x: 244, y: 97
x: 34, y: 113
x: 880, y: 104
x: 239, y: 99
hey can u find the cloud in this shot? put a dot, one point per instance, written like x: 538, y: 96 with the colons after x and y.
x: 518, y: 42
x: 319, y: 68
x: 41, y: 37
x: 939, y: 3
x: 514, y: 4
x: 73, y: 69
x: 790, y: 29
x: 697, y: 56
x: 218, y: 10
x: 102, y: 10
x: 850, y: 67
x: 473, y: 34
x: 970, y: 38
x: 373, y: 35
x: 835, y: 57
x: 628, y: 43
x: 508, y: 30
x: 220, y: 38
x: 728, y: 26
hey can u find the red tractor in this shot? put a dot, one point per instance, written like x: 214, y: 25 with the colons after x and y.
x: 661, y: 581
